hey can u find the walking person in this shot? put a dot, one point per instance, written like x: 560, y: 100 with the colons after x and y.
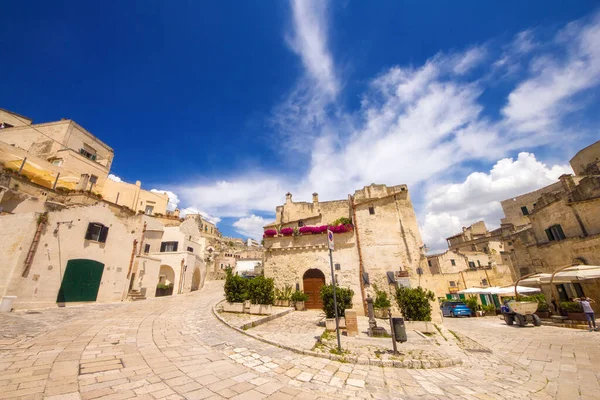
x: 589, y: 312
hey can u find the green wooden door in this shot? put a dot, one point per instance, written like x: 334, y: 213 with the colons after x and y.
x: 483, y: 299
x: 81, y: 281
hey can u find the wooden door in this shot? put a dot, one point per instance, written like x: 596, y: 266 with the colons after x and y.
x: 313, y: 281
x: 81, y: 281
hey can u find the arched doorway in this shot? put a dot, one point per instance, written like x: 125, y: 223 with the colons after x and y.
x: 166, y: 281
x: 81, y: 281
x: 196, y: 279
x: 313, y: 279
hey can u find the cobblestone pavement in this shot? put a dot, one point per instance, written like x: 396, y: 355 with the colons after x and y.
x: 174, y: 348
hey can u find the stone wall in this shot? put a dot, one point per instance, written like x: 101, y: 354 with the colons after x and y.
x: 512, y: 207
x: 585, y: 157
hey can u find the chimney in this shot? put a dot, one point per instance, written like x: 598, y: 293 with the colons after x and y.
x: 288, y: 198
x: 138, y: 183
x: 315, y: 198
x: 176, y: 212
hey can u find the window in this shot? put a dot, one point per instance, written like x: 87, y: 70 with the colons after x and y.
x: 338, y: 267
x: 473, y: 247
x: 555, y: 232
x: 429, y: 262
x: 453, y: 262
x: 57, y: 162
x: 96, y: 232
x: 471, y: 265
x: 166, y: 247
x: 146, y: 248
x: 478, y: 263
x: 452, y: 283
x: 87, y: 154
x: 5, y: 125
x: 300, y: 224
x: 190, y: 249
x: 372, y: 210
x: 524, y: 210
x: 484, y: 282
x: 149, y: 210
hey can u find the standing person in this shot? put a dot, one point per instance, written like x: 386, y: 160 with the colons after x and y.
x: 589, y: 311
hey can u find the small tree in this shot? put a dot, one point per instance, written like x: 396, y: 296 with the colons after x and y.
x: 344, y: 300
x: 261, y: 290
x: 414, y: 303
x: 235, y: 287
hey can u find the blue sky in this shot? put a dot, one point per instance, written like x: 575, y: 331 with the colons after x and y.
x: 228, y: 105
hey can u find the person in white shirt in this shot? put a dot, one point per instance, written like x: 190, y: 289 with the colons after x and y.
x: 589, y: 312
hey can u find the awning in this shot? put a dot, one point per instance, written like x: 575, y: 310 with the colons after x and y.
x: 576, y: 273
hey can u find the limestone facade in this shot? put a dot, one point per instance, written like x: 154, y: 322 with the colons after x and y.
x: 384, y: 245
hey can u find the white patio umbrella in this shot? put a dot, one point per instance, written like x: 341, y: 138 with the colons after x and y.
x: 472, y: 291
x: 510, y: 290
x: 574, y: 274
x: 535, y: 279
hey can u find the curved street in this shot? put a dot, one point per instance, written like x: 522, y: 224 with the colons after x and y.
x: 175, y: 348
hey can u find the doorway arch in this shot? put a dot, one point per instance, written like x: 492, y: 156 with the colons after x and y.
x: 196, y: 279
x: 312, y: 281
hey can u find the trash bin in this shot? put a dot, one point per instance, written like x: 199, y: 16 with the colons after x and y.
x: 399, y: 329
x: 6, y: 305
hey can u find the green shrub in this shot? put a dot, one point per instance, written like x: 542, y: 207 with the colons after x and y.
x: 299, y: 296
x: 261, y: 290
x: 472, y: 303
x: 489, y: 308
x: 344, y: 300
x: 381, y: 299
x: 571, y: 306
x: 540, y: 298
x: 414, y: 303
x: 236, y: 287
x: 164, y: 286
x: 342, y: 221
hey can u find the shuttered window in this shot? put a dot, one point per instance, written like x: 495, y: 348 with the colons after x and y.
x: 96, y: 232
x: 555, y: 232
x: 166, y: 247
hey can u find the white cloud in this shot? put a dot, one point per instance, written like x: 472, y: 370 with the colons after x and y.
x: 414, y: 125
x: 451, y: 206
x: 251, y: 226
x: 173, y: 198
x: 309, y: 41
x: 114, y: 178
x: 539, y: 102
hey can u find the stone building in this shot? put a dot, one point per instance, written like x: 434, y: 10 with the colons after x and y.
x: 76, y: 247
x: 383, y: 247
x: 560, y: 225
x: 54, y: 154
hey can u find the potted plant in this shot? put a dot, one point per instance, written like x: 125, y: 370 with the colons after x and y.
x: 543, y: 310
x: 287, y: 231
x: 472, y: 303
x: 261, y: 295
x: 269, y: 233
x: 235, y: 292
x: 283, y: 296
x: 490, y: 310
x: 163, y: 289
x: 573, y: 310
x: 381, y: 303
x: 344, y: 302
x: 299, y: 298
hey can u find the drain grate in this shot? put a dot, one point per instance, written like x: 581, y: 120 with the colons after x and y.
x: 93, y: 366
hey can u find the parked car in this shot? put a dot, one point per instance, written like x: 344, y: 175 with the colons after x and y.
x: 455, y: 309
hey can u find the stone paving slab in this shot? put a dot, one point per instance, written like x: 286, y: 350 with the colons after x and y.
x: 174, y: 348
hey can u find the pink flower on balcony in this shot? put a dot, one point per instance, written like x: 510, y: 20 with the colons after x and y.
x: 287, y: 231
x: 270, y: 233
